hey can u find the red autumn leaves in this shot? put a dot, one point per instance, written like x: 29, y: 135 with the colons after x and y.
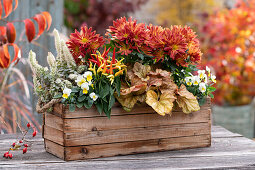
x: 8, y: 32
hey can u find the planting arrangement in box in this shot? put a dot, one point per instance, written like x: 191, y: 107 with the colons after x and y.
x: 137, y: 90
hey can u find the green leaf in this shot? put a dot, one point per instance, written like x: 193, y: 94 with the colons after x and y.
x: 88, y: 104
x: 75, y: 90
x: 211, y: 95
x: 118, y: 85
x: 81, y: 98
x: 111, y: 91
x: 202, y: 101
x: 79, y: 105
x: 105, y: 89
x: 211, y: 89
x: 99, y: 107
x: 106, y: 111
x: 140, y: 56
x: 111, y: 102
x: 72, y: 107
x: 57, y: 96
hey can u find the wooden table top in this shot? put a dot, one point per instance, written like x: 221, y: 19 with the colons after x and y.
x: 228, y: 150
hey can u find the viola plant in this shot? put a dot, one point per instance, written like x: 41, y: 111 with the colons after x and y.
x: 139, y: 64
x: 21, y: 144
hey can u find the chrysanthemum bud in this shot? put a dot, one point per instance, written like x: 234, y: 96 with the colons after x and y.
x: 10, y: 155
x: 28, y: 125
x: 25, y: 145
x: 20, y: 141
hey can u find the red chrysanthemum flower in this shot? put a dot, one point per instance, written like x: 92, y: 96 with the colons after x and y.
x: 130, y: 32
x: 84, y: 43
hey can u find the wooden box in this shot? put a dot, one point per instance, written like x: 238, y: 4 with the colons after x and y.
x: 85, y: 134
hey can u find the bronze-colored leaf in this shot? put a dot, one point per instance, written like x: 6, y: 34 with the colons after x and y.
x: 141, y: 71
x: 127, y: 101
x: 186, y: 100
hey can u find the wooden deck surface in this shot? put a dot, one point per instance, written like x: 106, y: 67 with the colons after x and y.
x: 228, y: 151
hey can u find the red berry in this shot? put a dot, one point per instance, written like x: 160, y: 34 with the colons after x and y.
x: 6, y: 154
x: 20, y: 141
x: 34, y: 133
x: 24, y: 150
x: 25, y: 145
x: 28, y: 125
x: 13, y: 145
x: 10, y: 155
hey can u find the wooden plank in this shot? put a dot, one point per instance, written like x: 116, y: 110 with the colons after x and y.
x: 54, y: 148
x: 63, y: 111
x: 113, y: 149
x: 54, y: 135
x: 133, y: 121
x: 135, y: 134
x: 53, y: 121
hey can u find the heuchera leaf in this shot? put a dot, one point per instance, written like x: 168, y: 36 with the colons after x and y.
x: 30, y: 29
x: 141, y: 71
x: 48, y: 19
x: 127, y: 101
x: 41, y: 21
x: 162, y: 104
x: 10, y: 32
x: 7, y: 7
x: 186, y: 100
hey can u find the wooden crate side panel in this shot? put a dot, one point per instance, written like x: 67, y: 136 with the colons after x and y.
x: 63, y: 111
x: 53, y: 121
x: 54, y: 148
x: 134, y: 121
x: 54, y: 135
x: 135, y: 134
x: 154, y: 145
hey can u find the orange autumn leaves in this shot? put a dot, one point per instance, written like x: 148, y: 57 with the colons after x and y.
x: 8, y: 32
x: 157, y: 89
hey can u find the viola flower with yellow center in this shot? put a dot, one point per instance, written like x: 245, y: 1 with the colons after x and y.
x: 93, y: 96
x: 196, y: 80
x: 201, y: 74
x: 88, y: 76
x: 208, y: 71
x: 188, y: 81
x: 85, y: 88
x: 202, y: 87
x: 80, y: 80
x: 213, y: 78
x: 66, y: 92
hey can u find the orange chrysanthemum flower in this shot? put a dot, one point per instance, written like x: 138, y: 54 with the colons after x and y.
x: 127, y: 33
x: 84, y: 43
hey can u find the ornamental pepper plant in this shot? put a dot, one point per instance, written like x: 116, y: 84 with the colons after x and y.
x: 137, y: 64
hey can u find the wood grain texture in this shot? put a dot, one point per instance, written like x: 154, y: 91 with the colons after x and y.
x: 134, y: 121
x: 228, y: 151
x: 125, y: 148
x: 135, y: 134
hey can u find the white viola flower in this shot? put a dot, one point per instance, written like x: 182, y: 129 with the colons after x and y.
x: 202, y: 87
x: 205, y: 79
x: 201, y: 74
x: 196, y: 80
x: 213, y: 78
x: 80, y: 80
x: 208, y: 71
x: 58, y: 81
x: 66, y: 92
x: 88, y: 75
x: 85, y: 88
x: 93, y: 96
x: 189, y: 80
x: 72, y: 76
